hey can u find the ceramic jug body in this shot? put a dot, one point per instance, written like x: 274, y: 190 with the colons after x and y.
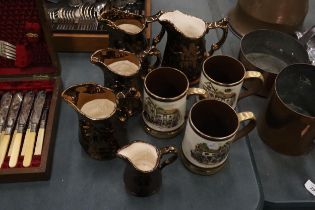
x: 126, y: 30
x: 185, y: 50
x: 100, y: 137
x: 142, y: 175
x: 123, y: 73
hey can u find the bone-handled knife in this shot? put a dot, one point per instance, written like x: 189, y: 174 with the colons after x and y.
x: 20, y: 127
x: 4, y: 109
x: 10, y: 123
x: 30, y: 135
x: 41, y: 131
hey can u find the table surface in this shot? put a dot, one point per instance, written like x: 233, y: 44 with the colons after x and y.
x: 282, y: 177
x: 79, y: 182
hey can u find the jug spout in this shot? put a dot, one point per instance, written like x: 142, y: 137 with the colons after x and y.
x: 91, y: 100
x: 187, y: 25
x: 126, y: 22
x: 142, y: 156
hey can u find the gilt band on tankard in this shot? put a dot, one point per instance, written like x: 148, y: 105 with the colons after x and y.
x: 223, y: 76
x: 164, y: 101
x: 211, y: 128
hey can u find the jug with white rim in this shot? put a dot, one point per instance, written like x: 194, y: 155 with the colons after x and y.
x: 142, y: 175
x: 186, y: 44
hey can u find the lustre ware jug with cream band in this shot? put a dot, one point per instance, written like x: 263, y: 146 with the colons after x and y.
x: 186, y: 44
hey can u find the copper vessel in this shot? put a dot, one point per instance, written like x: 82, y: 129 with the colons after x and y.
x: 288, y: 123
x: 184, y: 52
x: 268, y: 52
x: 99, y: 137
x: 143, y: 172
x: 124, y: 39
x: 283, y: 15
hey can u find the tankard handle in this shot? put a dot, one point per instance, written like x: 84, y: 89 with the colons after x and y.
x: 168, y: 150
x: 197, y: 91
x: 244, y: 116
x: 259, y: 82
x: 222, y: 24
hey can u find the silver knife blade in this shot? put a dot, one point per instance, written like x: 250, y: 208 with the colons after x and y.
x: 13, y: 112
x: 43, y: 118
x: 37, y: 110
x: 4, y: 108
x: 25, y: 111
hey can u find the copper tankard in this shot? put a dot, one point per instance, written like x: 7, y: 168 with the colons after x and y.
x: 288, y: 123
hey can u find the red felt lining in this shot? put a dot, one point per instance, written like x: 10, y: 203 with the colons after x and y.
x: 17, y: 18
x: 14, y: 86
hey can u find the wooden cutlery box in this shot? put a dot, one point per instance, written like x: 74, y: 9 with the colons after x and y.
x: 36, y: 67
x: 89, y: 42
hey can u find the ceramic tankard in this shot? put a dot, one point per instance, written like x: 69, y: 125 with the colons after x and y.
x: 142, y: 174
x: 100, y: 136
x: 223, y: 76
x: 186, y: 45
x: 287, y: 124
x: 164, y: 101
x: 211, y: 128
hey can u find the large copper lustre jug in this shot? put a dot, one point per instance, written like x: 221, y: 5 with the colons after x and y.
x: 186, y: 44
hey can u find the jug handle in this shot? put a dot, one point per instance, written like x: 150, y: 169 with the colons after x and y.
x: 152, y: 51
x: 159, y: 37
x: 308, y: 35
x: 168, y: 150
x: 124, y: 112
x: 222, y: 24
x: 245, y: 116
x: 153, y: 18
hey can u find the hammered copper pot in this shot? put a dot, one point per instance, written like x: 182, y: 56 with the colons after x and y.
x: 283, y: 15
x: 287, y: 125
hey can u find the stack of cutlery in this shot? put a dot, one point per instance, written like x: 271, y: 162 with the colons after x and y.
x: 82, y: 16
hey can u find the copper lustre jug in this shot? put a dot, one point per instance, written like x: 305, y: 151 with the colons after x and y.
x: 186, y: 44
x: 143, y: 172
x: 124, y: 72
x: 126, y: 30
x: 99, y: 135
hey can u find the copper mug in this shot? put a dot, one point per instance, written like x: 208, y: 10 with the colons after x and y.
x: 287, y: 124
x: 269, y: 52
x: 211, y: 128
x: 223, y: 76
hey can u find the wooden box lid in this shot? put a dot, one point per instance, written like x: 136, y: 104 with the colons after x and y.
x: 24, y: 25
